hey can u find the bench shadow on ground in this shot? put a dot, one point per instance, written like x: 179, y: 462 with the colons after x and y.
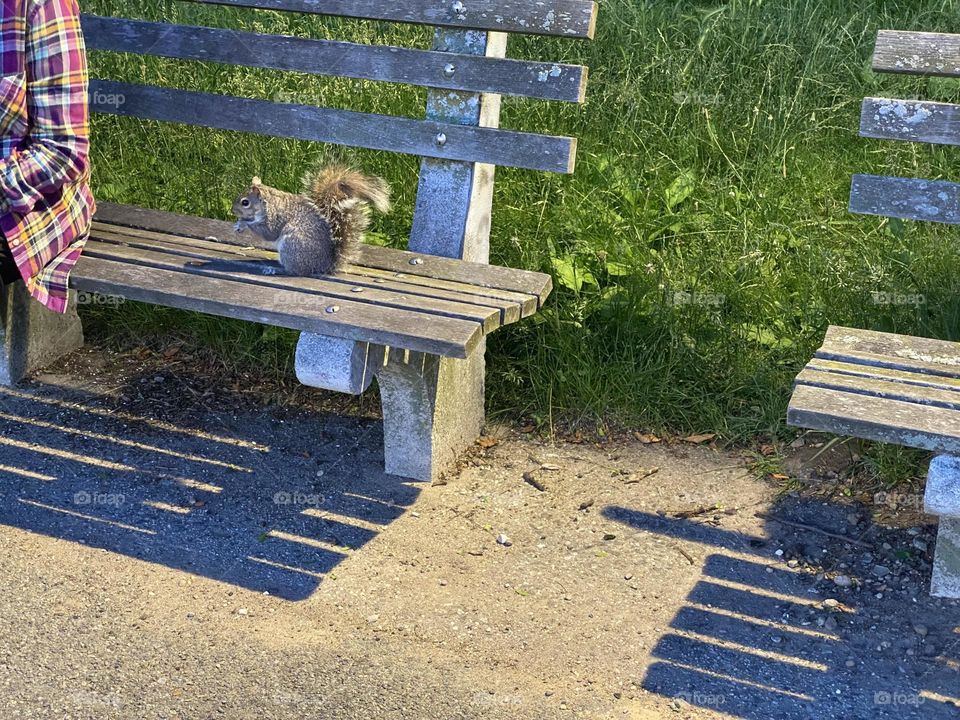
x: 264, y: 502
x: 747, y: 642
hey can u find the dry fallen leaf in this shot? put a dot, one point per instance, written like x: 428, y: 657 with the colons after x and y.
x: 646, y: 438
x: 780, y: 476
x: 549, y: 466
x: 487, y: 442
x: 700, y: 439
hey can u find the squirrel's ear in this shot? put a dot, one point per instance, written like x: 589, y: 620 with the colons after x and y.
x: 257, y: 181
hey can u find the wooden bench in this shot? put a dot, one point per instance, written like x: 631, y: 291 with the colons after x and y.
x: 417, y: 319
x: 886, y: 387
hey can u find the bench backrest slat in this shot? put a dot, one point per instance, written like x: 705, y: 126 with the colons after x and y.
x: 910, y: 120
x: 915, y: 121
x: 549, y: 81
x: 339, y: 127
x: 569, y: 18
x: 917, y: 53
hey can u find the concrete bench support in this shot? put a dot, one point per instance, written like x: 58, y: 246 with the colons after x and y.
x: 328, y: 363
x: 432, y: 410
x: 942, y: 498
x: 33, y: 337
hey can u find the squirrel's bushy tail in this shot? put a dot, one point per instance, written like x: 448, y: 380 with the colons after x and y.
x: 345, y: 196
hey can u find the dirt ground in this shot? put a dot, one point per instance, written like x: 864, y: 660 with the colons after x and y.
x: 174, y: 546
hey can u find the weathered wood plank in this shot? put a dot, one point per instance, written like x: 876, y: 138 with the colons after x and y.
x: 882, y: 373
x: 339, y: 127
x: 488, y: 318
x: 902, y: 352
x: 911, y: 121
x: 917, y: 53
x: 871, y: 418
x: 569, y: 18
x: 436, y: 335
x: 906, y: 198
x: 549, y: 81
x: 525, y: 282
x: 512, y: 305
x: 881, y: 388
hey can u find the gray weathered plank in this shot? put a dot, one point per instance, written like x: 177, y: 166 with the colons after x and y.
x: 872, y: 418
x: 569, y: 18
x: 882, y: 373
x: 910, y: 120
x: 512, y: 305
x: 917, y: 53
x: 449, y: 337
x: 550, y: 81
x: 325, y: 289
x: 906, y: 198
x: 881, y: 388
x: 526, y: 282
x: 340, y: 127
x: 902, y: 352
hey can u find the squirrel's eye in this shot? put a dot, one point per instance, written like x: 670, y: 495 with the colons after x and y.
x: 245, y: 203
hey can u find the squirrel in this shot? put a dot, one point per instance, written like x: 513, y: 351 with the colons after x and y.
x: 318, y: 230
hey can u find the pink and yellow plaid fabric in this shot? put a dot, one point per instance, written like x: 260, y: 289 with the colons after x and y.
x: 46, y: 206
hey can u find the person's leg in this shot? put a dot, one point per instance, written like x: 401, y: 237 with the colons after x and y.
x: 9, y: 273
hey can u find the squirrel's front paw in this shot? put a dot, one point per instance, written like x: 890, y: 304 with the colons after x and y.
x: 271, y: 271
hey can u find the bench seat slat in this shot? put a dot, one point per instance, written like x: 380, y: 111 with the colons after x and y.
x: 351, y: 277
x: 426, y: 68
x: 917, y: 53
x: 906, y: 198
x: 569, y: 18
x: 339, y: 127
x: 537, y: 285
x: 881, y: 386
x: 284, y: 308
x: 871, y: 418
x: 323, y: 290
x: 914, y: 354
x: 911, y: 121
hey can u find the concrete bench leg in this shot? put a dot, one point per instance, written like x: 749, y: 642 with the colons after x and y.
x: 329, y: 363
x: 432, y: 410
x: 942, y: 498
x: 33, y: 337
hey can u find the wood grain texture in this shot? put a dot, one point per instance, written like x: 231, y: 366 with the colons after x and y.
x: 408, y: 265
x: 902, y: 352
x: 569, y: 18
x: 917, y: 53
x: 325, y: 289
x: 906, y: 198
x: 884, y: 420
x: 880, y: 386
x: 448, y: 337
x: 549, y: 81
x: 339, y: 127
x: 910, y: 120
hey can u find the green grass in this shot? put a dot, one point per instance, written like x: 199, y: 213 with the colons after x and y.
x: 716, y: 150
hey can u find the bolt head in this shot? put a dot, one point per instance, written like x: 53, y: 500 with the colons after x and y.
x: 449, y: 70
x: 416, y: 261
x: 441, y: 139
x: 459, y: 8
x: 333, y: 309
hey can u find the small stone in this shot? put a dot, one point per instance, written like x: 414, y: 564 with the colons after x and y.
x: 242, y: 611
x: 843, y: 581
x: 372, y: 618
x: 628, y: 577
x: 851, y: 663
x: 831, y: 603
x: 853, y: 519
x: 443, y: 583
x: 793, y: 563
x: 609, y: 536
x: 921, y: 630
x: 920, y: 545
x: 881, y: 570
x: 887, y: 546
x: 778, y: 553
x: 502, y: 539
x: 830, y: 623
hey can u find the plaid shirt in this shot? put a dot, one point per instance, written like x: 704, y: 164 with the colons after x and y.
x: 46, y: 205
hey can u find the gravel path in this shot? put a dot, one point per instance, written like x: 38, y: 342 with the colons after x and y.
x: 186, y: 551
